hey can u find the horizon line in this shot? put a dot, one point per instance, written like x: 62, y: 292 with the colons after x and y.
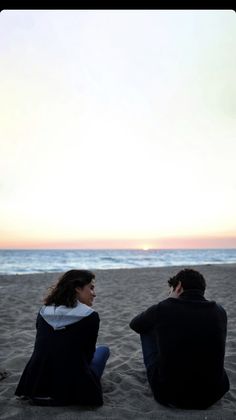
x: 184, y: 242
x: 116, y: 249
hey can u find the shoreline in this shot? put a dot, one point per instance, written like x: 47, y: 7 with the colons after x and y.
x: 121, y: 294
x: 176, y: 267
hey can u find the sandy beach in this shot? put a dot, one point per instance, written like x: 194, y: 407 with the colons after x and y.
x: 121, y: 294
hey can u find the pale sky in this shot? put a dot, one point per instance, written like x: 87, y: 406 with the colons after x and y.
x: 117, y: 125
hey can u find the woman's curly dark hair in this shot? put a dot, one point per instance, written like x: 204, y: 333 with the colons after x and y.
x: 190, y: 279
x: 63, y: 292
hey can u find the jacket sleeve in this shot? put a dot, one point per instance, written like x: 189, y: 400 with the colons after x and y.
x: 145, y: 321
x: 92, y: 334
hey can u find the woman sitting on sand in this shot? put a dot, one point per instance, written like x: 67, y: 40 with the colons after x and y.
x: 66, y: 366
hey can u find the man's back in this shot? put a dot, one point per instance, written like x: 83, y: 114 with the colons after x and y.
x: 191, y: 334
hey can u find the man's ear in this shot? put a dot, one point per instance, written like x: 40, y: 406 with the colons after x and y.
x: 179, y: 289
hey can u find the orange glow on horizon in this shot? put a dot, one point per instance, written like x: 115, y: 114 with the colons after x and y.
x: 162, y: 243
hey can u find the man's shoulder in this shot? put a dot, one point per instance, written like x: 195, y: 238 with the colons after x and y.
x: 165, y: 303
x: 204, y: 304
x: 221, y: 309
x: 168, y: 302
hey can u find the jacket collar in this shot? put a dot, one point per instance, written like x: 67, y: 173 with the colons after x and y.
x: 192, y: 294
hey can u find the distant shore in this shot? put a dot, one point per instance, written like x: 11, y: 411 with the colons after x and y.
x: 121, y: 294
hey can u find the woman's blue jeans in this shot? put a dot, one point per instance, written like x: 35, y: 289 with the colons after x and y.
x: 99, y: 360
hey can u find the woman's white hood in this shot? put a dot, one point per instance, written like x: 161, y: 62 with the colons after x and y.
x: 61, y: 316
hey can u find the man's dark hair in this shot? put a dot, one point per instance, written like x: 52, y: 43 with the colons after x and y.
x: 190, y: 279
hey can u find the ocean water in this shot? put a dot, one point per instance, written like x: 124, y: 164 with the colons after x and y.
x: 37, y: 261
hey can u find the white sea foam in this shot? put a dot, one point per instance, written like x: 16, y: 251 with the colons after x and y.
x: 38, y: 261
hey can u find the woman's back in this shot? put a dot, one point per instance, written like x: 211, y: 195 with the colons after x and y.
x: 66, y: 366
x: 59, y: 365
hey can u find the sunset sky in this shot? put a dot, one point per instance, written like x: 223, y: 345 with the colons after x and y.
x: 117, y: 128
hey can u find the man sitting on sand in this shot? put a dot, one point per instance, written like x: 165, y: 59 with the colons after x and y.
x: 183, y: 342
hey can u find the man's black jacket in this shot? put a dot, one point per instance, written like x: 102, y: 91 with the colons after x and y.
x: 191, y: 335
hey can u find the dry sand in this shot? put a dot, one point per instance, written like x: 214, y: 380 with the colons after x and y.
x: 121, y: 294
